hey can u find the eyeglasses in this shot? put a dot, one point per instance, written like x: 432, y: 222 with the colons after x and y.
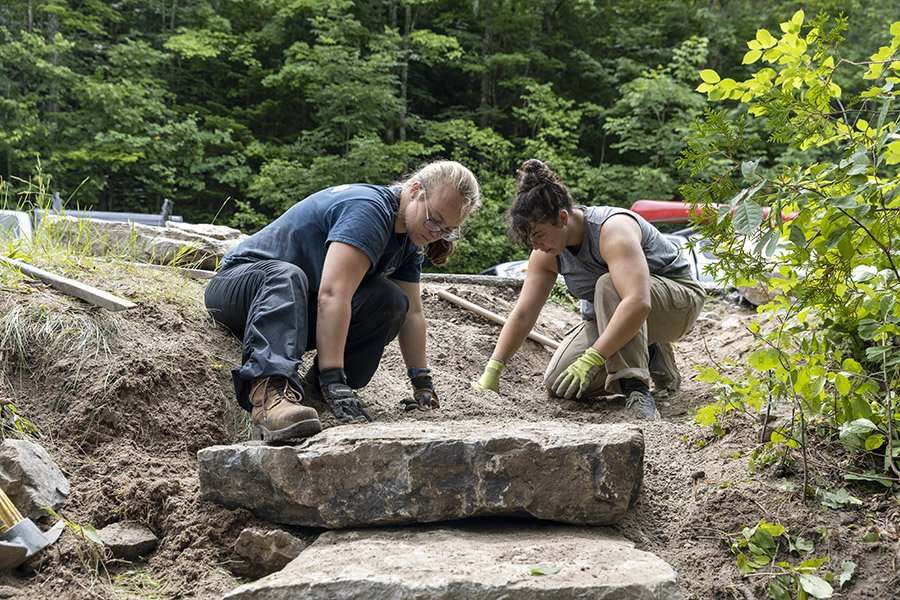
x: 449, y: 235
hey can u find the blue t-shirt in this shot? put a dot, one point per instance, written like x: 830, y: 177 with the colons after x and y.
x: 360, y: 215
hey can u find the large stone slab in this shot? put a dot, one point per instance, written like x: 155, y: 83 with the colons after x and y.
x: 396, y: 473
x: 469, y: 563
x: 199, y: 245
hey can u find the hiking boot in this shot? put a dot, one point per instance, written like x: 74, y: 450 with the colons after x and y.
x: 663, y: 368
x: 277, y: 413
x: 642, y: 405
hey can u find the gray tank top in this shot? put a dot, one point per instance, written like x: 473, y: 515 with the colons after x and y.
x: 582, y: 269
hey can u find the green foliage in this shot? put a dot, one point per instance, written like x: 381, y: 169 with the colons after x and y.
x: 560, y: 294
x: 838, y: 499
x: 545, y: 570
x: 192, y: 43
x: 91, y: 552
x: 235, y: 110
x: 821, y: 233
x: 13, y: 424
x: 758, y: 550
x: 351, y: 90
x: 654, y: 111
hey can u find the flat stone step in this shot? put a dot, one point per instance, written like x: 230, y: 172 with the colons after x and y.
x: 469, y: 563
x: 398, y: 473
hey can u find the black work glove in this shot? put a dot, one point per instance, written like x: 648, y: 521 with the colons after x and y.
x: 424, y: 397
x: 340, y: 397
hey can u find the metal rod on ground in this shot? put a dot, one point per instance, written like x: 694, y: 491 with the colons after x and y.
x: 490, y: 316
x: 71, y: 287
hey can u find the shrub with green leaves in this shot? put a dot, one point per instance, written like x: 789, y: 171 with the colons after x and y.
x: 820, y: 228
x: 765, y: 549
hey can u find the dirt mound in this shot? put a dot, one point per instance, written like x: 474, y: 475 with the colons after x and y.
x: 124, y: 400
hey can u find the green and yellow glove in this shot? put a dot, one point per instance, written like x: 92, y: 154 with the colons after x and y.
x: 490, y: 379
x: 574, y: 381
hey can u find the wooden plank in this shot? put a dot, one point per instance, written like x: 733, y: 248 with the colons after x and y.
x: 491, y: 316
x: 72, y: 287
x: 489, y: 280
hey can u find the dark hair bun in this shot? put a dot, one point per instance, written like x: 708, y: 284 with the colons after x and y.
x: 533, y: 173
x: 541, y: 196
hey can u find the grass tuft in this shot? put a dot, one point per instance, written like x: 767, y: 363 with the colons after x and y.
x: 137, y: 584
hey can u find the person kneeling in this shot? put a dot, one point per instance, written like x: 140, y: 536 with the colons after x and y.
x: 338, y: 272
x: 636, y: 289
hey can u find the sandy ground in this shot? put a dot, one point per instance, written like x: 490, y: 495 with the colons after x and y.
x: 124, y: 423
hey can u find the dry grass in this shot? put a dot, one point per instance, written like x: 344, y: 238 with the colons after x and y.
x: 26, y: 328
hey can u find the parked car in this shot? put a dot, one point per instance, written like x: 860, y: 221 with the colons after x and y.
x: 699, y: 253
x: 515, y: 269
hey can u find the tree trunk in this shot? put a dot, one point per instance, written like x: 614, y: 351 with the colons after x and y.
x: 404, y: 70
x: 390, y: 133
x: 51, y: 107
x: 485, y: 101
x: 30, y: 17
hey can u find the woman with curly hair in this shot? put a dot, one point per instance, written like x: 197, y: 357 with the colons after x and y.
x: 636, y: 288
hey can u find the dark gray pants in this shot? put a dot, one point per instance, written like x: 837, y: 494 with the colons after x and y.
x: 269, y: 305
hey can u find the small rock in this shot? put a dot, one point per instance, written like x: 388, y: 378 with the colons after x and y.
x: 730, y: 323
x: 128, y: 540
x: 758, y: 294
x: 698, y: 475
x: 266, y: 551
x: 7, y: 591
x: 30, y: 478
x: 848, y: 518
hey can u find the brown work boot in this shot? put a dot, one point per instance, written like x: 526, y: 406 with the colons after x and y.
x: 277, y: 413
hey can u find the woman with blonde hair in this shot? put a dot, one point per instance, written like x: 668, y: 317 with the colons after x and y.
x: 338, y: 272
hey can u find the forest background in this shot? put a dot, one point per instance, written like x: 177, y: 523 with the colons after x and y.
x: 236, y: 109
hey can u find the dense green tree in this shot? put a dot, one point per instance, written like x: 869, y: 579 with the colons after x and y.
x: 239, y: 109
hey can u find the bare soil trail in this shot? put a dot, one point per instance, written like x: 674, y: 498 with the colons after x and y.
x: 124, y: 401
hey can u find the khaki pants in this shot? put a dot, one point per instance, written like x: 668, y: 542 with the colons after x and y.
x: 674, y: 307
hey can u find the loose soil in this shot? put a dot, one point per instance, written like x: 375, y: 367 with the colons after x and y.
x: 123, y: 401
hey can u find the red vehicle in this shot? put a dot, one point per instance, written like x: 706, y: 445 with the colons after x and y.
x: 667, y: 211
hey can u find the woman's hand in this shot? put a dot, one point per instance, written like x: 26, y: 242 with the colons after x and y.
x: 575, y: 380
x: 424, y: 397
x: 490, y: 379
